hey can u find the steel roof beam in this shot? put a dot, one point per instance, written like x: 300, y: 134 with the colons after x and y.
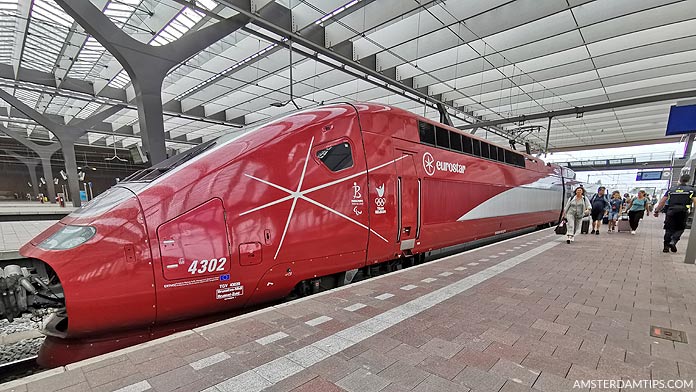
x: 173, y: 108
x: 585, y: 109
x: 616, y: 145
x: 24, y: 8
x: 67, y: 135
x: 147, y: 65
x: 320, y: 49
x: 368, y: 74
x: 106, y: 129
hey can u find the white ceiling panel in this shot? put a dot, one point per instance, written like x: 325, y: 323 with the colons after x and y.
x: 497, y: 59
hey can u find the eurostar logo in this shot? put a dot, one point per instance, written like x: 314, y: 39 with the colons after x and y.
x: 300, y: 194
x: 429, y: 164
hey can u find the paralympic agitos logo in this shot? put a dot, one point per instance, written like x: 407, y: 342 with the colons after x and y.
x: 430, y: 165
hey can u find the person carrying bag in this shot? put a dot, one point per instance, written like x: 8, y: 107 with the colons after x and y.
x: 577, y: 207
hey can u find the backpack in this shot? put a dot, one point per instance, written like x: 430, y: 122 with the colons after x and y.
x: 598, y: 203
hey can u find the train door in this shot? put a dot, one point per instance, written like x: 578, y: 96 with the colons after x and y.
x: 408, y: 201
x: 194, y: 248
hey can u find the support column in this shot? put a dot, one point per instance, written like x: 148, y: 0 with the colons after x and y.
x: 148, y: 65
x: 444, y: 116
x: 548, y: 135
x: 30, y: 163
x: 73, y: 177
x: 44, y: 153
x: 48, y: 176
x: 689, y: 146
x: 148, y: 96
x: 690, y: 257
x: 32, y: 178
x: 66, y: 134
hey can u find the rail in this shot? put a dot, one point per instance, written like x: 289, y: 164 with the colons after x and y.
x: 18, y: 369
x: 632, y: 161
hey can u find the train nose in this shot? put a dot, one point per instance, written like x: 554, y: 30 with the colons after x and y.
x: 102, y: 257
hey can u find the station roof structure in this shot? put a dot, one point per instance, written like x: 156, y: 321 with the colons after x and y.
x: 617, y: 65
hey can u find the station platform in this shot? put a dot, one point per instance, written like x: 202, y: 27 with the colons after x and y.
x: 531, y: 313
x: 15, y: 234
x: 11, y: 211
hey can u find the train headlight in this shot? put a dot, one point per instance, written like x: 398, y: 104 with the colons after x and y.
x: 68, y: 237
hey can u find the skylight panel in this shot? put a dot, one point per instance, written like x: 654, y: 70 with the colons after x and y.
x: 207, y: 4
x: 30, y: 98
x: 46, y: 35
x: 8, y: 27
x: 9, y: 5
x: 335, y: 12
x: 121, y: 80
x: 226, y: 71
x: 88, y: 110
x: 49, y: 11
x: 178, y: 26
x: 93, y: 57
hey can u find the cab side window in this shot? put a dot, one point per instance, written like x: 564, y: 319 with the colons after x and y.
x: 336, y: 157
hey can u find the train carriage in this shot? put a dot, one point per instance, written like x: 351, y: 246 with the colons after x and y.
x: 300, y: 203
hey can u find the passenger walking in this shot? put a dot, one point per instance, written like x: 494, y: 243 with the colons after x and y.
x: 615, y: 209
x: 577, y: 207
x: 600, y: 209
x: 636, y: 210
x: 676, y: 204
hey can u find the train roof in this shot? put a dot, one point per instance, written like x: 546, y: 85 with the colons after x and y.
x: 165, y: 166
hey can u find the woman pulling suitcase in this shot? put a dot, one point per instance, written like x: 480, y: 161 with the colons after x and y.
x: 577, y: 207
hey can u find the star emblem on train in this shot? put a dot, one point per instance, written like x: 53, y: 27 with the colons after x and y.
x: 302, y: 194
x: 429, y: 163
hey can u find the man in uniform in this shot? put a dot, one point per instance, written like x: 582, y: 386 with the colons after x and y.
x: 676, y: 204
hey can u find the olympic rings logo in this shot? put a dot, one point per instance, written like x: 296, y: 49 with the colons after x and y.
x: 380, y: 201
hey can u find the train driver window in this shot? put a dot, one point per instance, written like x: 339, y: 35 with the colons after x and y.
x: 336, y: 157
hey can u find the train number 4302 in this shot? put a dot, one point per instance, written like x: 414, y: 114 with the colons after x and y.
x: 207, y: 266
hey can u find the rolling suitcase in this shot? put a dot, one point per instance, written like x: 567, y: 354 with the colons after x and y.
x: 585, y: 228
x: 622, y: 224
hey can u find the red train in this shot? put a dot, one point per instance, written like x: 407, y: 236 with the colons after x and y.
x: 301, y: 203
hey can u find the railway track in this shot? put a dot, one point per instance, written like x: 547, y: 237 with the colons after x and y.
x: 18, y: 369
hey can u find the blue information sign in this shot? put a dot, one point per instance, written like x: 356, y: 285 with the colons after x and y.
x: 682, y: 119
x: 649, y: 176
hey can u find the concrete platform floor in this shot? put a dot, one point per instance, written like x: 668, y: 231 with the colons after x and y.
x: 33, y: 208
x: 528, y: 314
x: 15, y: 234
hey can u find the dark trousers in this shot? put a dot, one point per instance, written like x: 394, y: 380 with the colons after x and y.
x: 672, y: 237
x: 634, y: 218
x: 675, y: 223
